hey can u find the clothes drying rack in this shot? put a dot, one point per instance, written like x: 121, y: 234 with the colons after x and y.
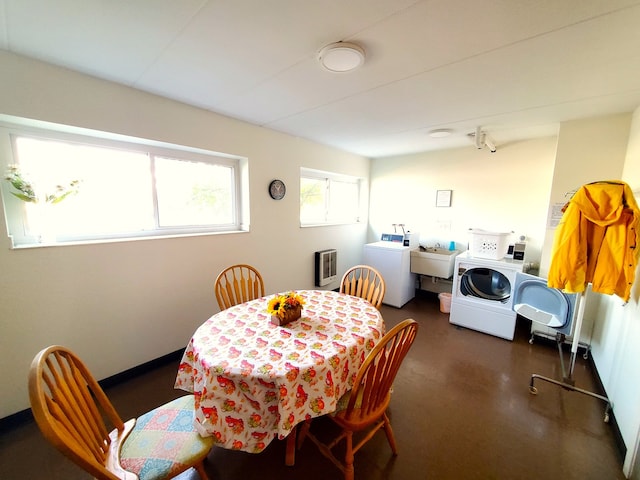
x: 568, y: 382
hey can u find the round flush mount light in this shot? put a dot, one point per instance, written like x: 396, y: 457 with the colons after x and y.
x: 440, y: 132
x: 341, y: 57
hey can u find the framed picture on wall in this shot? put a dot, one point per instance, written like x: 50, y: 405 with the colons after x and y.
x: 443, y: 198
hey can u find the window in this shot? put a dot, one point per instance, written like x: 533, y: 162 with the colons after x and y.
x: 126, y: 189
x: 327, y: 198
x: 193, y: 193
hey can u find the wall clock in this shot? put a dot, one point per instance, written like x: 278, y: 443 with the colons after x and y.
x: 277, y: 189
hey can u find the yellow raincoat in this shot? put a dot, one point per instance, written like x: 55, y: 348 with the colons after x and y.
x: 597, y: 241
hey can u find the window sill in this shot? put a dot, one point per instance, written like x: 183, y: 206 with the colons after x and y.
x: 328, y: 224
x: 96, y: 241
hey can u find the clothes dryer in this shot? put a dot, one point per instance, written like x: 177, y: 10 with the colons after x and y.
x: 482, y: 295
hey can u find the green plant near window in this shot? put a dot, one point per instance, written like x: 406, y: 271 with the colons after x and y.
x: 26, y: 191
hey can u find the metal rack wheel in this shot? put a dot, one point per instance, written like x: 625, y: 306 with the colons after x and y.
x: 606, y: 413
x: 533, y: 390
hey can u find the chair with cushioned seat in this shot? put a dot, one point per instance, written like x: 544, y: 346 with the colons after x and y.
x: 365, y: 282
x: 238, y: 284
x: 363, y: 409
x: 75, y: 415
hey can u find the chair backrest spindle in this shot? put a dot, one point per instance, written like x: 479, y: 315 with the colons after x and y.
x: 238, y: 284
x: 365, y: 282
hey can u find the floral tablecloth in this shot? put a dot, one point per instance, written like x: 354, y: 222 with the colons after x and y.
x: 254, y: 381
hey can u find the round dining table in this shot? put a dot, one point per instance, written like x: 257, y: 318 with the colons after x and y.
x: 254, y: 381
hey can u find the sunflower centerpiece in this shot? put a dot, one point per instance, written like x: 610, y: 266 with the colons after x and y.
x: 285, y: 308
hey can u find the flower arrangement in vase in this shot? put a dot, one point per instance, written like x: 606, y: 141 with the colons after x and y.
x: 285, y: 308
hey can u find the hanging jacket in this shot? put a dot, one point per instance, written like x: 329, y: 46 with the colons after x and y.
x: 597, y: 241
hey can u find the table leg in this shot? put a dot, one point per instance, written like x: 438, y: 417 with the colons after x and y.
x: 290, y: 455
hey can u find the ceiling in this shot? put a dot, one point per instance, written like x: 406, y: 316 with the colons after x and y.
x: 514, y: 68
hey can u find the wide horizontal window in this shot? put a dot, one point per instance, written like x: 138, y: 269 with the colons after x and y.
x: 75, y: 188
x: 329, y: 198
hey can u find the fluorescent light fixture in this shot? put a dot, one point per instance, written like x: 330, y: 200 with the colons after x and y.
x: 341, y: 57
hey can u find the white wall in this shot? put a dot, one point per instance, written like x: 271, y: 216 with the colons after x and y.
x: 122, y: 304
x: 503, y: 191
x: 617, y: 335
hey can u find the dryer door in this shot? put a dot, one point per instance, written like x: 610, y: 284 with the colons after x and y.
x: 485, y: 283
x: 535, y: 301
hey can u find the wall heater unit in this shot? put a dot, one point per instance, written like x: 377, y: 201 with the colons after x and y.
x: 326, y: 267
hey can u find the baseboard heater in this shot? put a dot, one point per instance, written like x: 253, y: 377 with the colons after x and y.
x: 326, y: 267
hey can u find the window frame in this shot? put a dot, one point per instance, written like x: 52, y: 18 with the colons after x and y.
x: 334, y: 177
x: 15, y: 210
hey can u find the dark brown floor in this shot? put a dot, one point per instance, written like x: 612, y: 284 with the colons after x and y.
x: 461, y: 409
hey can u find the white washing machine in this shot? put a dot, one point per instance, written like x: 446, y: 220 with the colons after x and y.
x: 393, y: 260
x: 482, y: 295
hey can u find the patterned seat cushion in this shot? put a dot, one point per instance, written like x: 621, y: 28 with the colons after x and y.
x: 164, y: 442
x: 343, y: 401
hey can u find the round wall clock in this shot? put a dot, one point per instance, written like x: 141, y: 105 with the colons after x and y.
x: 277, y: 189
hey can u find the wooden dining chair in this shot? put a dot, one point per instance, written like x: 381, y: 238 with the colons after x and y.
x: 365, y: 282
x: 75, y: 415
x: 363, y: 409
x: 238, y: 284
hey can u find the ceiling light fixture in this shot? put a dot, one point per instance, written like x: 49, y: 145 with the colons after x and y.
x: 440, y: 132
x: 341, y: 57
